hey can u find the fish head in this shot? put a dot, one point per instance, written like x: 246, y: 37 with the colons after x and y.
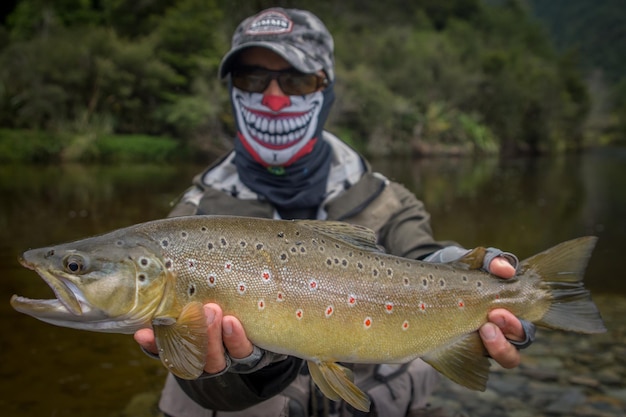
x: 110, y: 283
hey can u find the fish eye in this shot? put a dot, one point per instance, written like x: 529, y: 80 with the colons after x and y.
x: 75, y: 264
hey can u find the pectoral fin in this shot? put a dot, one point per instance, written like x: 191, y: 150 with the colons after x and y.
x: 464, y: 361
x: 471, y: 260
x: 182, y: 341
x: 335, y: 381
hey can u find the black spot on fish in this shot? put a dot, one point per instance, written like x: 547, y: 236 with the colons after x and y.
x: 281, y: 234
x: 389, y: 272
x: 302, y: 249
x: 360, y: 265
x: 259, y: 246
x: 344, y: 263
x: 165, y: 243
x: 204, y: 228
x: 168, y: 264
x: 297, y: 233
x: 375, y: 272
x: 329, y: 262
x: 424, y: 282
x: 143, y: 262
x: 192, y: 290
x: 243, y: 244
x: 479, y: 284
x: 283, y: 256
x: 49, y: 253
x: 183, y: 235
x: 442, y: 283
x: 210, y: 246
x: 293, y: 250
x: 464, y: 278
x: 119, y: 243
x: 141, y: 277
x: 223, y: 242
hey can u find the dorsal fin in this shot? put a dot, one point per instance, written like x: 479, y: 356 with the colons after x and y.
x: 352, y: 234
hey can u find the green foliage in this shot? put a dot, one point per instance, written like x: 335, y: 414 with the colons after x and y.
x: 137, y: 148
x: 30, y: 146
x: 458, y: 74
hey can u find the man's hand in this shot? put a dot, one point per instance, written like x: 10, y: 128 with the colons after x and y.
x: 502, y: 324
x: 223, y: 332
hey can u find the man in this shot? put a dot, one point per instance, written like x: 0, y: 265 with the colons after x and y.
x: 284, y: 165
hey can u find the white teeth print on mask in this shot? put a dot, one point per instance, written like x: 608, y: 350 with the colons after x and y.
x: 276, y: 138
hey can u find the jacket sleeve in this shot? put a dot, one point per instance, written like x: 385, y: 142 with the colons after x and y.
x: 233, y: 392
x: 408, y: 233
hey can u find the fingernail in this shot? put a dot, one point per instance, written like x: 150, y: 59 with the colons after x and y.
x: 210, y: 316
x: 227, y: 328
x: 488, y: 331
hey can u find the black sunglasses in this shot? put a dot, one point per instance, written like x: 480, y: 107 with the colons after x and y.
x: 291, y: 81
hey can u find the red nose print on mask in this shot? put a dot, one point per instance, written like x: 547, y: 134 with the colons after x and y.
x: 276, y: 103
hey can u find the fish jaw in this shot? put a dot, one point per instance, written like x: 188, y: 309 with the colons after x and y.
x: 69, y: 309
x: 69, y: 297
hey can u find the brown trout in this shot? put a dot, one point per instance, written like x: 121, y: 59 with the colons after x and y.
x: 319, y: 290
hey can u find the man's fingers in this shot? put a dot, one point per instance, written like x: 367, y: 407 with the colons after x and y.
x: 215, y: 360
x: 235, y: 338
x: 501, y: 267
x: 145, y: 338
x: 508, y: 324
x: 498, y: 347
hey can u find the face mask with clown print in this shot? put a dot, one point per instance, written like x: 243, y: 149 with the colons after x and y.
x: 276, y: 131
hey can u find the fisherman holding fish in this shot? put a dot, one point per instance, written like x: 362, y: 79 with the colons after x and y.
x: 280, y: 73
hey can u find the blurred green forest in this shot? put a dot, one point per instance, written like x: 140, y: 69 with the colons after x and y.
x: 99, y: 79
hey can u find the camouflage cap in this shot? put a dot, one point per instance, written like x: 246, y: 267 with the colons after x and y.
x: 297, y: 35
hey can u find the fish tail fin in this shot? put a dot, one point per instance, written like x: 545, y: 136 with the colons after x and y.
x: 561, y: 269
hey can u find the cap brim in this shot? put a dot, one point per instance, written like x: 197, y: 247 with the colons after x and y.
x: 291, y: 54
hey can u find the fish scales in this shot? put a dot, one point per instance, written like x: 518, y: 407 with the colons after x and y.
x: 322, y: 291
x: 313, y: 279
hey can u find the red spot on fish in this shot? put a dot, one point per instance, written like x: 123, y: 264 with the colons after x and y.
x: 497, y: 296
x: 389, y: 307
x: 241, y: 288
x: 266, y: 275
x: 329, y: 311
x: 211, y: 280
x: 261, y: 304
x: 351, y: 300
x: 299, y: 314
x: 367, y: 323
x: 228, y: 266
x: 280, y: 297
x: 461, y: 304
x: 405, y: 325
x: 313, y: 285
x: 422, y: 306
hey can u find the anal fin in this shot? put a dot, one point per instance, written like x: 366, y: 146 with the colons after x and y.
x: 182, y: 341
x: 464, y: 361
x: 336, y: 381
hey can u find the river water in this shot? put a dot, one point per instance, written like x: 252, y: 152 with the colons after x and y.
x: 521, y: 205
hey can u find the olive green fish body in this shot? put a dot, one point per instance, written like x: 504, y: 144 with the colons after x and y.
x: 322, y: 291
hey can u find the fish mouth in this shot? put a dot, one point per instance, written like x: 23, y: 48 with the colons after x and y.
x: 69, y: 305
